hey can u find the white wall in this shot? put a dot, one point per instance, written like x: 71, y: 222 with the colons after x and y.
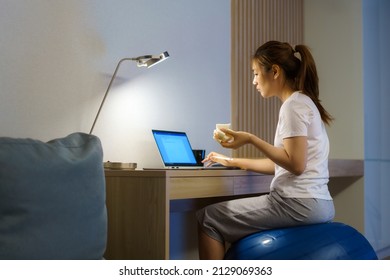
x: 46, y: 71
x: 190, y: 91
x: 333, y: 30
x: 58, y: 57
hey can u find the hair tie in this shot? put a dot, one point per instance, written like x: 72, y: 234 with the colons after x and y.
x: 296, y: 54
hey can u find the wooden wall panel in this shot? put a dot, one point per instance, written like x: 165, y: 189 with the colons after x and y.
x: 253, y: 23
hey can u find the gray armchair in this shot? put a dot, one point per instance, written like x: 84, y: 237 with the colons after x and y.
x: 52, y: 198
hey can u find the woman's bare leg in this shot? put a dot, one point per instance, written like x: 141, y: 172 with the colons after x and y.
x: 209, y: 248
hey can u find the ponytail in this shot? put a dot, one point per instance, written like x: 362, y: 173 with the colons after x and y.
x: 302, y: 73
x: 307, y: 81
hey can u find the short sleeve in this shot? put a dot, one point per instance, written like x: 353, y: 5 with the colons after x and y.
x: 295, y: 118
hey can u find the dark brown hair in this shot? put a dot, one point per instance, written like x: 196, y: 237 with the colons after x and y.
x: 301, y: 73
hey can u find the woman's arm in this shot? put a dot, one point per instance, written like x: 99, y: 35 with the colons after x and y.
x: 263, y: 165
x: 292, y: 157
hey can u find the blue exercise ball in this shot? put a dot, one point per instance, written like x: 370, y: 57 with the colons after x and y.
x: 328, y: 241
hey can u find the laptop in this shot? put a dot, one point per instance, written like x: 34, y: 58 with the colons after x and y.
x: 176, y: 151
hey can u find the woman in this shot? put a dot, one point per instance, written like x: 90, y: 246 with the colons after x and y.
x: 299, y: 157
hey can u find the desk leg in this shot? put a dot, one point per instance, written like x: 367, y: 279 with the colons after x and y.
x: 138, y: 218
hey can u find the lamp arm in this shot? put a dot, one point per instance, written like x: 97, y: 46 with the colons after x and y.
x: 145, y: 60
x: 108, y: 89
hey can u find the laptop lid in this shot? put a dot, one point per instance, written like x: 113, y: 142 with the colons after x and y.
x: 175, y: 148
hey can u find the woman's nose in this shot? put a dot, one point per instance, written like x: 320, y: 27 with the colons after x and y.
x: 254, y: 81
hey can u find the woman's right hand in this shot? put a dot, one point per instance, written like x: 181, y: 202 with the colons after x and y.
x: 214, y: 157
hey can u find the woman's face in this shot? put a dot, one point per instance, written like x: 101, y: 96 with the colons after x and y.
x: 263, y: 80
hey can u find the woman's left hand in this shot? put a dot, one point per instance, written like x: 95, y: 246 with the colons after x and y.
x: 237, y: 138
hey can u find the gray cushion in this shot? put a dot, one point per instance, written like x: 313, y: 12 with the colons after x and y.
x: 52, y: 198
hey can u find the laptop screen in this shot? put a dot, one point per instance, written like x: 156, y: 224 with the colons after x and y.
x: 174, y: 147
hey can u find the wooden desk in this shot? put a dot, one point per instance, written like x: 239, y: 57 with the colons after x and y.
x: 139, y: 202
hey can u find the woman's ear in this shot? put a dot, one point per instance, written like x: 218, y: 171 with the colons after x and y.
x: 275, y: 71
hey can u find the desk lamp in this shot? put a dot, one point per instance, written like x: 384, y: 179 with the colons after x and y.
x: 142, y: 61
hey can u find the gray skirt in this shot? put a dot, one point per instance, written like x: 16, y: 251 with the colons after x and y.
x: 230, y: 221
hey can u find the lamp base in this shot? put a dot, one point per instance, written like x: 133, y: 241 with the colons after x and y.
x: 120, y: 165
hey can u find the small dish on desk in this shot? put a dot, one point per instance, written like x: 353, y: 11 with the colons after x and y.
x: 120, y: 165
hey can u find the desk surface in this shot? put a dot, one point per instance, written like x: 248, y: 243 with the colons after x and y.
x: 337, y: 168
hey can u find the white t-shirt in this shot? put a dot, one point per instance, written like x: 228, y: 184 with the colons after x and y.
x: 299, y: 116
